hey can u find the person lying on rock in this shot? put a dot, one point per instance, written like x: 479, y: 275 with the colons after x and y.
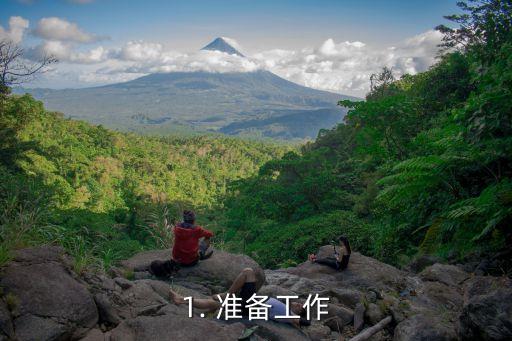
x: 191, y: 241
x: 244, y: 287
x: 336, y: 262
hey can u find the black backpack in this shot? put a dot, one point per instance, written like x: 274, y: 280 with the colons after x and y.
x: 163, y: 269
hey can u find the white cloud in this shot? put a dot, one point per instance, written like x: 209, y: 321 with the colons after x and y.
x: 17, y: 28
x: 58, y: 29
x: 140, y: 51
x: 152, y: 57
x: 65, y: 52
x: 346, y: 67
x: 342, y: 67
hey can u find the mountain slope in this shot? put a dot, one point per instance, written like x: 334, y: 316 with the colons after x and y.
x: 201, y: 101
x: 221, y: 45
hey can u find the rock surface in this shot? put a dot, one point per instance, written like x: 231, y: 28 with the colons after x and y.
x: 487, y: 311
x: 48, y: 302
x: 221, y: 269
x: 43, y: 299
x: 173, y: 327
x: 423, y: 327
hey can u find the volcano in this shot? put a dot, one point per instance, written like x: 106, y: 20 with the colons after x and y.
x: 257, y: 104
x: 221, y: 44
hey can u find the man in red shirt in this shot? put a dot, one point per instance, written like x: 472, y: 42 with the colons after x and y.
x: 188, y: 247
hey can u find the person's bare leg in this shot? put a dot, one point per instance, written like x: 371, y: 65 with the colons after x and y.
x: 246, y: 276
x: 199, y: 303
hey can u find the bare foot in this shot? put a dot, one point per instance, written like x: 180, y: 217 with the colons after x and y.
x: 175, y: 297
x: 312, y: 257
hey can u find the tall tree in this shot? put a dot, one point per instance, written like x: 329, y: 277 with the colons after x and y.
x: 15, y: 69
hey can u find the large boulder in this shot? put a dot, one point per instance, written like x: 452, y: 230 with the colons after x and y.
x: 49, y: 303
x: 448, y: 274
x: 420, y: 262
x: 362, y: 272
x: 174, y: 327
x: 487, y: 311
x: 219, y: 270
x: 6, y: 326
x: 424, y: 327
x: 293, y: 283
x: 276, y: 331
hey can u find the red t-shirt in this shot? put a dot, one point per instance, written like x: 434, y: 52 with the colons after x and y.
x: 186, y: 243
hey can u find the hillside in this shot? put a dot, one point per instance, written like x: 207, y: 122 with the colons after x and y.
x: 199, y: 101
x: 422, y: 166
x: 258, y: 103
x: 104, y: 194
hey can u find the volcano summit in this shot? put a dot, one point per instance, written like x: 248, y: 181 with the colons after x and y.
x: 257, y: 103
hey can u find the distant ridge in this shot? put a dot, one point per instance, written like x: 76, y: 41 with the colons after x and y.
x: 220, y: 44
x: 257, y: 103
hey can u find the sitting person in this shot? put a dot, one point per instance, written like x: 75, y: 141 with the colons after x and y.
x: 336, y: 262
x: 244, y: 286
x: 191, y: 241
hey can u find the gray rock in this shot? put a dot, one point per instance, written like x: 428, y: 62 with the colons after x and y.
x: 373, y: 313
x: 221, y: 269
x: 95, y: 335
x: 318, y: 332
x: 275, y: 290
x: 35, y: 328
x: 99, y: 282
x: 487, y: 312
x: 371, y: 296
x: 348, y: 297
x: 362, y: 272
x: 173, y: 327
x: 335, y: 323
x: 139, y: 299
x: 423, y: 327
x: 6, y: 327
x: 419, y: 263
x: 448, y: 274
x: 51, y: 301
x: 359, y: 317
x: 345, y: 315
x: 441, y: 295
x: 271, y: 330
x: 107, y: 314
x: 299, y: 285
x: 123, y: 283
x: 41, y: 254
x: 160, y: 287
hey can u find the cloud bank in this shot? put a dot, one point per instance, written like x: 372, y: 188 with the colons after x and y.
x: 342, y: 67
x: 16, y: 30
x: 58, y: 29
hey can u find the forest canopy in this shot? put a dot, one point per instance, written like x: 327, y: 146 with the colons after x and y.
x: 422, y: 166
x: 104, y: 195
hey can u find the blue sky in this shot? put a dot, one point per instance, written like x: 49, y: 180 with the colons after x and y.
x: 258, y: 26
x: 277, y: 23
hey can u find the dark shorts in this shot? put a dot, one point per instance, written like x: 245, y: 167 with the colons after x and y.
x: 246, y: 292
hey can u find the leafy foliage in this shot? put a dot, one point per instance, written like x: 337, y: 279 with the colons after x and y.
x: 423, y: 165
x: 105, y: 195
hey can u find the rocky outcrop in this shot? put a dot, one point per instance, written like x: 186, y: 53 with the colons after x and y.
x: 215, y: 272
x: 174, y: 327
x: 487, y: 311
x: 363, y: 272
x: 45, y: 300
x: 424, y: 327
